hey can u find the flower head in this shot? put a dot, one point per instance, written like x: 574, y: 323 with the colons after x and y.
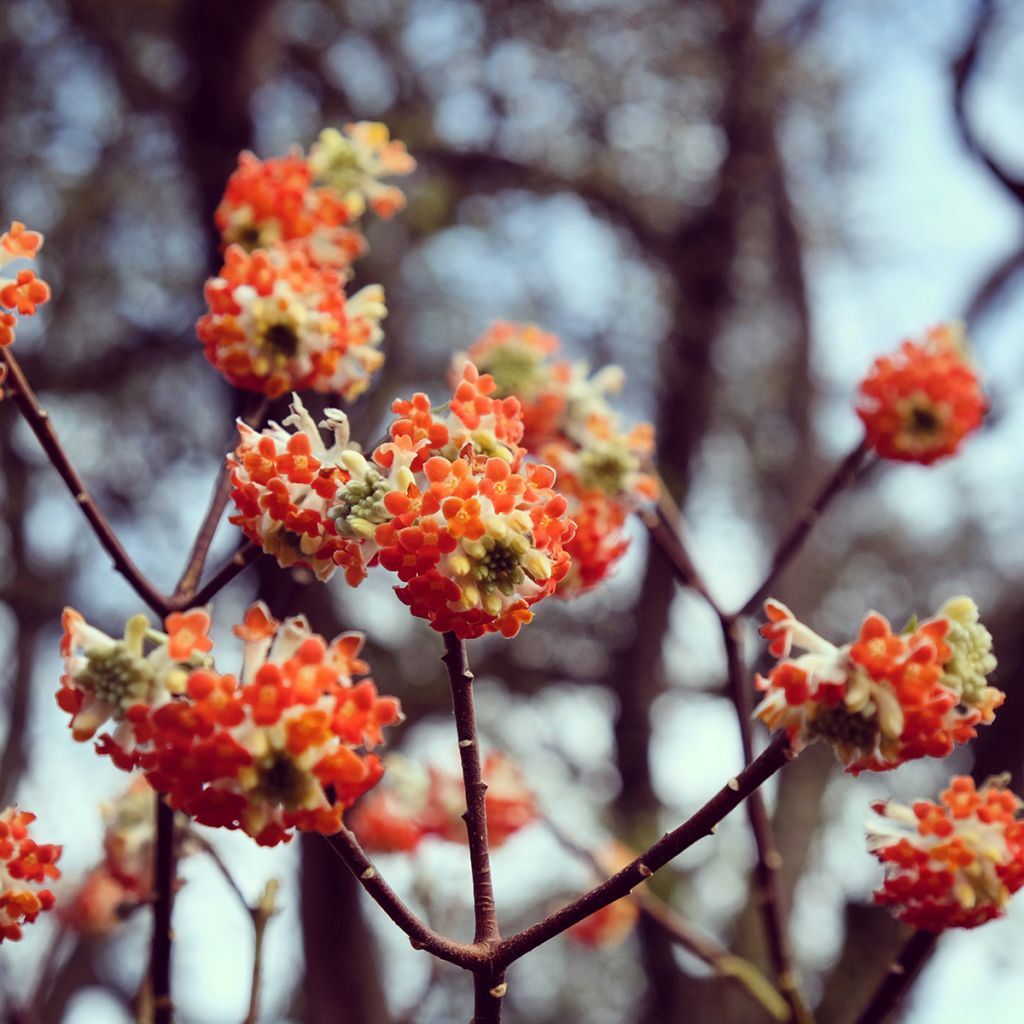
x: 952, y: 864
x: 277, y: 321
x: 475, y: 536
x: 570, y: 425
x: 25, y: 292
x: 885, y: 697
x: 918, y: 404
x: 25, y: 868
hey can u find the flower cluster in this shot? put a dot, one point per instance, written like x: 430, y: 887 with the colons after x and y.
x: 952, y: 864
x: 278, y: 315
x: 475, y: 535
x: 274, y: 750
x: 25, y: 868
x: 122, y: 880
x: 414, y: 804
x: 919, y: 404
x: 315, y: 200
x: 24, y: 292
x: 887, y: 697
x: 570, y: 425
x: 278, y: 321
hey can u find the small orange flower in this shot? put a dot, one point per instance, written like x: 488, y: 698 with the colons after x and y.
x: 187, y: 633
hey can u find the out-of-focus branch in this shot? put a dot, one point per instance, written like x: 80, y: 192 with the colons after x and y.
x: 902, y: 972
x: 696, y: 827
x: 686, y: 936
x: 963, y: 69
x: 163, y: 907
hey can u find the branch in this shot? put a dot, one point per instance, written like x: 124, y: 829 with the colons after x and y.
x: 963, y: 69
x: 241, y: 559
x: 845, y: 473
x: 261, y: 915
x: 700, y: 824
x: 902, y: 972
x: 38, y: 421
x: 461, y: 680
x: 348, y: 850
x: 163, y: 905
x: 768, y: 859
x: 686, y: 936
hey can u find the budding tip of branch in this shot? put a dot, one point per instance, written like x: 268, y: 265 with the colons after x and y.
x: 734, y: 785
x: 81, y: 497
x: 369, y: 873
x: 644, y: 870
x: 499, y: 990
x: 773, y: 860
x: 465, y: 743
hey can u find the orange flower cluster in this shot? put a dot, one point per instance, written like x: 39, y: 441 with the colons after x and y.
x: 885, y: 698
x: 475, y: 535
x: 24, y: 292
x: 278, y: 321
x: 952, y: 864
x: 613, y: 924
x: 412, y: 805
x: 278, y: 316
x: 919, y: 404
x: 274, y: 750
x: 25, y: 867
x: 570, y: 426
x: 315, y: 201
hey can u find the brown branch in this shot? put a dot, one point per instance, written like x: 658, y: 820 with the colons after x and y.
x: 163, y: 905
x: 241, y: 559
x: 696, y: 827
x: 461, y: 680
x: 38, y: 420
x: 189, y: 582
x: 900, y: 976
x: 845, y: 473
x: 768, y: 859
x: 348, y: 850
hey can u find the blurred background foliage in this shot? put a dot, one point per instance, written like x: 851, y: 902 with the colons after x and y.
x: 742, y: 202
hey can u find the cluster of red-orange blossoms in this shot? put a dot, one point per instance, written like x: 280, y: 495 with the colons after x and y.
x: 413, y: 804
x: 919, y: 404
x: 122, y: 880
x: 278, y: 317
x: 885, y: 698
x: 570, y: 426
x: 316, y: 200
x: 274, y: 750
x: 475, y: 535
x: 25, y: 868
x: 24, y: 292
x: 953, y: 864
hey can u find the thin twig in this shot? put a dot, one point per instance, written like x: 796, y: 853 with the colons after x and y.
x: 900, y: 976
x: 38, y: 420
x: 768, y: 859
x: 845, y: 473
x: 702, y: 823
x: 261, y: 915
x: 686, y: 936
x: 193, y: 571
x: 163, y: 905
x: 210, y: 850
x: 241, y: 559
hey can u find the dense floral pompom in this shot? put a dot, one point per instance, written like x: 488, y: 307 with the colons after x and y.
x: 919, y: 404
x: 475, y: 536
x: 570, y: 425
x: 25, y: 868
x: 886, y: 697
x: 953, y: 864
x: 315, y: 201
x: 25, y: 292
x: 413, y: 804
x: 274, y: 750
x: 277, y: 322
